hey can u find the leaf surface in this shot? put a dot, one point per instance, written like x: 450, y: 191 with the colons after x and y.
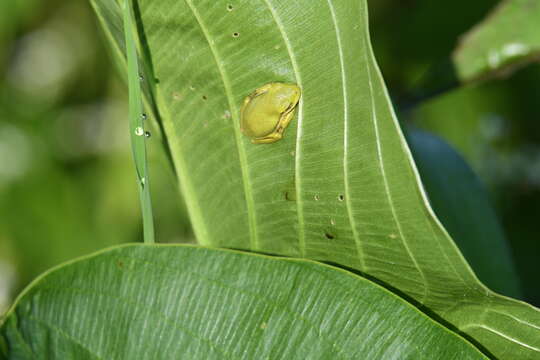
x: 172, y: 302
x: 341, y: 185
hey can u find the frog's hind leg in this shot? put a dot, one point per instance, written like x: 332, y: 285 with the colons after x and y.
x: 269, y: 139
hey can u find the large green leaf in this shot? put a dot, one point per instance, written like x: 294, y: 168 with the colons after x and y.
x: 507, y: 39
x: 172, y: 302
x: 341, y: 186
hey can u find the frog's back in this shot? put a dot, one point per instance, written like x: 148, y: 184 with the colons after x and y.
x: 258, y: 117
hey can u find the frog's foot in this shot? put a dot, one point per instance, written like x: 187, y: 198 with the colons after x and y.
x: 268, y: 139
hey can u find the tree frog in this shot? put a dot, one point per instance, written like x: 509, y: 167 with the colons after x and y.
x: 267, y: 112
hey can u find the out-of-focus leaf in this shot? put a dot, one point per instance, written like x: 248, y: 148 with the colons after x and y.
x: 172, y: 302
x: 508, y: 38
x: 341, y: 185
x: 461, y: 203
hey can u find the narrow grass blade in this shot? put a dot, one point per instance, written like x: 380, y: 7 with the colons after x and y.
x: 136, y: 123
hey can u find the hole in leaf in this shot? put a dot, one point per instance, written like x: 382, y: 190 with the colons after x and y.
x: 329, y: 236
x: 341, y: 197
x: 290, y: 195
x: 230, y: 7
x: 236, y: 34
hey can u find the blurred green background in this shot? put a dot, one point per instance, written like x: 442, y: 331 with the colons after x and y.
x: 67, y: 182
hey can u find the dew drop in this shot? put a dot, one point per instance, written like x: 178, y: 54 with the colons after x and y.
x: 144, y: 116
x: 139, y: 131
x: 332, y: 221
x: 316, y: 197
x: 341, y: 197
x: 147, y: 134
x: 141, y: 78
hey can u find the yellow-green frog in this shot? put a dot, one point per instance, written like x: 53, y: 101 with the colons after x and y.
x: 267, y: 112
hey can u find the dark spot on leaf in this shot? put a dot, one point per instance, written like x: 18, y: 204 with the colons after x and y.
x: 290, y: 195
x: 329, y: 236
x: 204, y: 97
x: 341, y: 197
x: 229, y: 7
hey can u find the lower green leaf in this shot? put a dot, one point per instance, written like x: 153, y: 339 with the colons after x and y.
x: 185, y: 302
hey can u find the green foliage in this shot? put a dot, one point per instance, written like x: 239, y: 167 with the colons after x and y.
x: 341, y: 187
x: 162, y: 302
x: 507, y: 39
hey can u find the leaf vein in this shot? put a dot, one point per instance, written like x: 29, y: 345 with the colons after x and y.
x: 248, y: 195
x: 298, y: 150
x: 346, y: 140
x: 385, y: 179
